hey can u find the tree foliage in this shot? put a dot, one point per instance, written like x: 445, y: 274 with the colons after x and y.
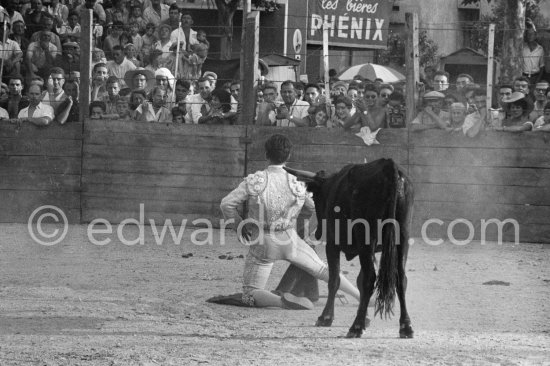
x: 395, y: 53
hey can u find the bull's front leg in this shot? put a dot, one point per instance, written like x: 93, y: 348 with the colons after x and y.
x: 365, y: 282
x: 333, y: 260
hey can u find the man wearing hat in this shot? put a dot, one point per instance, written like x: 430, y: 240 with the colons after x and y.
x: 431, y: 116
x: 140, y: 79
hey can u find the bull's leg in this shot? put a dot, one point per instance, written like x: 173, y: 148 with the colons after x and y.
x: 365, y: 281
x: 405, y: 328
x: 333, y: 260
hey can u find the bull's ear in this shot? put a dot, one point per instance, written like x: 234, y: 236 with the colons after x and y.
x: 302, y: 175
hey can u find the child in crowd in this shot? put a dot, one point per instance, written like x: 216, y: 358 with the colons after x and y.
x: 543, y: 122
x: 130, y: 53
x: 99, y: 77
x: 97, y: 32
x: 137, y: 41
x: 201, y: 37
x: 177, y: 115
x: 97, y: 109
x: 71, y: 31
x: 123, y: 108
x: 192, y: 62
x: 396, y: 110
x: 149, y: 39
x: 321, y: 116
x: 113, y: 39
x: 135, y: 17
x: 110, y: 100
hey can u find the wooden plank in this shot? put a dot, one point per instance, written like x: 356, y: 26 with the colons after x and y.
x: 168, y: 141
x: 164, y: 154
x: 158, y: 180
x: 320, y: 136
x: 412, y: 59
x: 338, y: 153
x: 486, y: 139
x: 41, y: 181
x: 117, y: 216
x: 17, y: 205
x: 40, y: 146
x: 482, y: 193
x: 91, y: 126
x: 69, y: 131
x: 86, y: 46
x: 520, y: 177
x: 168, y: 207
x: 234, y: 169
x: 155, y: 193
x: 475, y: 212
x: 452, y: 156
x: 249, y: 67
x: 39, y: 165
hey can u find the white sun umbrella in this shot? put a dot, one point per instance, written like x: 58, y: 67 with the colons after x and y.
x: 371, y: 72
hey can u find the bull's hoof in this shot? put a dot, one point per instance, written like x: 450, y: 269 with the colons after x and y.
x: 406, y: 331
x: 355, y: 332
x: 323, y: 322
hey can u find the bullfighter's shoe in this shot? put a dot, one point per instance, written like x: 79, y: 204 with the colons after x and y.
x: 296, y: 303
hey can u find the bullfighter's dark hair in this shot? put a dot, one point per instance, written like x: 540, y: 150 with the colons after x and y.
x: 277, y: 148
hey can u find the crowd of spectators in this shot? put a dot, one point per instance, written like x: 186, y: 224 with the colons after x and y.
x: 147, y: 66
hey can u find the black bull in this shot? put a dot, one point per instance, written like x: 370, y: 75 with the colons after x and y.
x: 374, y: 202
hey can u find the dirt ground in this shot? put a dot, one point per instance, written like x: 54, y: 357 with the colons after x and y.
x: 77, y: 303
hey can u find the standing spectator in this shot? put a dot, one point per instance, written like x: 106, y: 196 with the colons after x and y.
x: 110, y: 100
x: 541, y: 88
x: 173, y: 17
x: 15, y: 100
x: 18, y: 35
x: 431, y: 116
x: 343, y: 112
x: 369, y: 113
x: 163, y: 44
x: 154, y: 111
x: 95, y: 6
x: 186, y: 35
x: 441, y: 81
x: 41, y: 56
x: 57, y: 95
x: 519, y: 107
x: 68, y: 110
x: 36, y: 113
x: 292, y: 111
x: 521, y: 84
x: 119, y: 65
x: 217, y: 110
x: 48, y: 26
x: 265, y: 110
x: 201, y: 37
x: 386, y: 91
x: 462, y: 80
x: 533, y: 57
x: 474, y: 122
x: 235, y: 89
x: 10, y: 53
x: 137, y: 97
x: 499, y: 114
x: 149, y: 39
x: 156, y: 13
x: 457, y: 115
x: 130, y: 53
x: 396, y: 110
x: 99, y: 77
x: 196, y: 101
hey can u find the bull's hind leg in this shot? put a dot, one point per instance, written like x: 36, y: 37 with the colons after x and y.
x: 333, y: 260
x: 365, y: 282
x: 405, y: 328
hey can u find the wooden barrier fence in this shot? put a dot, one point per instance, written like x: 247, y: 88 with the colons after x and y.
x: 182, y: 172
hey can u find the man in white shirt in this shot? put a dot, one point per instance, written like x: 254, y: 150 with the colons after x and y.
x: 157, y: 13
x: 120, y: 65
x: 57, y: 96
x: 292, y: 111
x: 197, y: 101
x: 533, y: 57
x: 10, y: 52
x: 187, y: 36
x: 37, y: 112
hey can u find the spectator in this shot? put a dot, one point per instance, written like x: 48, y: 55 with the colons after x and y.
x: 396, y: 110
x: 57, y: 95
x: 458, y: 114
x: 136, y: 17
x: 154, y: 111
x: 124, y: 39
x: 164, y: 43
x: 48, y: 25
x: 97, y: 32
x: 519, y: 107
x: 10, y: 53
x: 532, y: 57
x: 385, y: 91
x: 131, y: 53
x: 97, y: 109
x: 292, y: 111
x: 12, y: 8
x: 259, y: 96
x: 118, y: 12
x: 149, y: 39
x: 123, y: 108
x: 201, y: 37
x: 474, y: 122
x: 185, y: 34
x: 353, y: 92
x: 173, y: 17
x: 235, y: 89
x: 427, y: 79
x: 521, y: 84
x: 378, y: 82
x: 431, y: 116
x: 320, y: 116
x: 137, y: 41
x: 33, y: 17
x: 191, y: 64
x: 177, y: 116
x: 499, y: 114
x: 217, y: 110
x: 166, y: 81
x: 140, y: 79
x: 265, y: 111
x: 120, y: 65
x: 15, y: 101
x: 59, y: 12
x: 137, y: 97
x: 451, y: 98
x: 71, y: 30
x: 183, y: 88
x: 441, y: 81
x: 70, y: 57
x: 100, y: 75
x: 156, y: 13
x: 339, y: 88
x: 95, y: 6
x: 113, y: 39
x: 541, y: 89
x: 369, y: 113
x: 212, y: 76
x: 36, y: 113
x: 41, y: 56
x: 343, y: 112
x: 468, y: 94
x: 110, y: 100
x: 196, y: 101
x: 462, y: 80
x: 18, y: 35
x: 542, y: 124
x: 68, y: 110
x: 4, y: 114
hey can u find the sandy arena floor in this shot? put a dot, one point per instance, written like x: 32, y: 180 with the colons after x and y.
x: 77, y: 303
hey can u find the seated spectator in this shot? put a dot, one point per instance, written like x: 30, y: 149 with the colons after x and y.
x: 154, y: 111
x: 149, y: 39
x: 215, y: 111
x: 57, y: 95
x: 120, y: 65
x: 113, y: 39
x: 369, y: 113
x: 99, y: 78
x: 166, y: 81
x: 97, y: 32
x: 98, y: 56
x: 140, y: 79
x: 156, y: 13
x: 68, y: 110
x: 97, y: 109
x: 196, y: 101
x: 542, y: 124
x: 15, y: 101
x: 13, y: 7
x: 41, y: 56
x: 48, y: 25
x: 519, y: 107
x: 71, y: 30
x: 110, y: 100
x: 33, y: 17
x: 183, y: 88
x: 136, y: 17
x: 18, y: 35
x: 431, y: 116
x: 131, y: 54
x: 10, y: 53
x: 59, y: 12
x: 124, y: 40
x: 177, y: 116
x: 541, y: 89
x: 185, y: 34
x: 397, y: 111
x: 458, y: 114
x: 118, y: 12
x: 36, y: 113
x: 137, y: 41
x: 70, y: 57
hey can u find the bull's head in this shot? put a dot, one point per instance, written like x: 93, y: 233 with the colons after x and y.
x: 314, y: 183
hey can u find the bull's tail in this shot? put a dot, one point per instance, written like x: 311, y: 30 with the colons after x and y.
x: 387, y: 274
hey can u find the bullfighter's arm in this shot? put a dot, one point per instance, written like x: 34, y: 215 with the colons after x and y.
x: 233, y: 200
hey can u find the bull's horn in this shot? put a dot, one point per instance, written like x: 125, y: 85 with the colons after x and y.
x: 301, y: 173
